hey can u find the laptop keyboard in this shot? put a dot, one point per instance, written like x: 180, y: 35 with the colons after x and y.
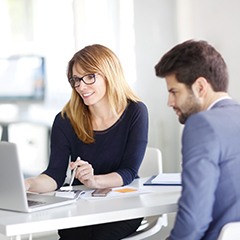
x: 35, y: 203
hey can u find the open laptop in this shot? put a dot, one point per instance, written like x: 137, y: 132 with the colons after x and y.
x: 12, y: 188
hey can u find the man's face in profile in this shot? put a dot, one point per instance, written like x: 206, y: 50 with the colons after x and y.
x: 181, y: 99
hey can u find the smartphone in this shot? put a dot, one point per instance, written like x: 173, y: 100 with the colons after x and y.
x: 101, y: 192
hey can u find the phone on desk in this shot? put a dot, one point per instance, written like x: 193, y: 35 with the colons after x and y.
x: 101, y: 192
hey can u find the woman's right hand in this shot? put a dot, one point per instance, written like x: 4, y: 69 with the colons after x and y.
x: 40, y: 184
x: 27, y: 184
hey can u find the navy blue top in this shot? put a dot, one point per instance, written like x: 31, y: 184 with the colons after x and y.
x: 119, y: 148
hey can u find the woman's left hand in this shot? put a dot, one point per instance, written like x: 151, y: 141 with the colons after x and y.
x: 84, y: 172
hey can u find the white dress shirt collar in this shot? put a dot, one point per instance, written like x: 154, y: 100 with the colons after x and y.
x: 219, y: 99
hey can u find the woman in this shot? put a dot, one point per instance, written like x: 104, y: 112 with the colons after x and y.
x: 104, y: 124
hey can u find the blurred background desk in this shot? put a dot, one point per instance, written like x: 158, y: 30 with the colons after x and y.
x: 159, y: 200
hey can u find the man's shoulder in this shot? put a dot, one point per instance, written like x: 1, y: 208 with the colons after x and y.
x: 218, y: 110
x: 225, y: 103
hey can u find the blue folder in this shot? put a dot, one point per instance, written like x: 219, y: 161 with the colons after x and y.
x: 150, y: 183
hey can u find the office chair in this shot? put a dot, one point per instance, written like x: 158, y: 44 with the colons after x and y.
x: 151, y: 165
x: 1, y: 130
x: 230, y: 231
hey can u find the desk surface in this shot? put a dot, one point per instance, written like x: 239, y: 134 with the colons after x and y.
x: 159, y: 200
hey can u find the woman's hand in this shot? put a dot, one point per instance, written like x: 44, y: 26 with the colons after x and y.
x: 84, y: 173
x: 27, y: 184
x: 40, y: 184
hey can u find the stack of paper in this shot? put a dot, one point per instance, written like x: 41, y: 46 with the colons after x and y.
x: 167, y: 178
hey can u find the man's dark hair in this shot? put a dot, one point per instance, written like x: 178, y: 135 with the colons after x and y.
x: 193, y: 59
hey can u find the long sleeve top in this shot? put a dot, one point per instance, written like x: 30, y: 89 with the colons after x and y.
x: 120, y: 148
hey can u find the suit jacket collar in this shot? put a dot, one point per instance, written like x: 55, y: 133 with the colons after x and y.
x: 225, y: 102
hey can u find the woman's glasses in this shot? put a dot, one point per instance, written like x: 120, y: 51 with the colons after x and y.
x: 88, y: 79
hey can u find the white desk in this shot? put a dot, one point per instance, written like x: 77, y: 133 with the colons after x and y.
x: 161, y: 199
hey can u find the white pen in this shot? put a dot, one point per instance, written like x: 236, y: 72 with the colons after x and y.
x: 73, y: 174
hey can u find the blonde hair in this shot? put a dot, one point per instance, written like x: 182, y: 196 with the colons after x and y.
x: 97, y: 59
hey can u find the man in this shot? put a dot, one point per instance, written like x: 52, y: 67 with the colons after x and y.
x: 197, y: 81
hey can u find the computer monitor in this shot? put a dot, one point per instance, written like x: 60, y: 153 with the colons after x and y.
x: 22, y: 79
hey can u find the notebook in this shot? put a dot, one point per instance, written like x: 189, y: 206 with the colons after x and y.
x: 12, y: 188
x: 165, y: 179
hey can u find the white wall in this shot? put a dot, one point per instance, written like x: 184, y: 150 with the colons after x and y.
x: 155, y: 32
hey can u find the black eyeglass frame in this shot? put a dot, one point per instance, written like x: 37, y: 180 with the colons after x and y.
x: 73, y: 79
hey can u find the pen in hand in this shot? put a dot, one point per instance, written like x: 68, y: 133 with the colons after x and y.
x: 73, y: 174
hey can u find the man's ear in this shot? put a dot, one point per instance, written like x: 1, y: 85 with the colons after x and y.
x: 200, y: 87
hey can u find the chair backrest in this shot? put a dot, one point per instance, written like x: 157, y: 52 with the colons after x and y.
x: 230, y: 231
x: 1, y: 130
x: 152, y: 163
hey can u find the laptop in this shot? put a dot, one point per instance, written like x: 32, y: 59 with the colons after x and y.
x: 12, y: 187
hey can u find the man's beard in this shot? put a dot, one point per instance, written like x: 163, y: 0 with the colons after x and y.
x: 191, y: 106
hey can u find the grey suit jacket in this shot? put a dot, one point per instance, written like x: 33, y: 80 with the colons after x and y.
x: 211, y: 173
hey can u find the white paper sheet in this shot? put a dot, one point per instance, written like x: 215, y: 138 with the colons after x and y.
x: 167, y: 178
